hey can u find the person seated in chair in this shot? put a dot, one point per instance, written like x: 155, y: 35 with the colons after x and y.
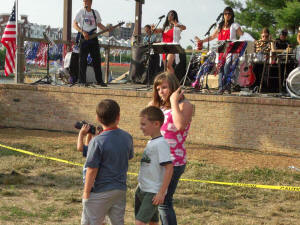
x: 264, y: 43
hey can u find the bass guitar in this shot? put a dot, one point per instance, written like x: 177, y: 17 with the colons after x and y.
x: 80, y: 39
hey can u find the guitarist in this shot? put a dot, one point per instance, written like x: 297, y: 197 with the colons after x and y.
x: 227, y: 30
x: 86, y: 22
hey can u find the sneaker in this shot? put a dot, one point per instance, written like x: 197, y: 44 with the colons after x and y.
x: 102, y: 84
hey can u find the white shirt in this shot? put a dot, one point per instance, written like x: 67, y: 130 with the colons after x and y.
x: 233, y: 28
x: 86, y: 19
x: 151, y: 173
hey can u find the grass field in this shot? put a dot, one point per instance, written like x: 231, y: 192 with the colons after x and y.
x: 41, y: 191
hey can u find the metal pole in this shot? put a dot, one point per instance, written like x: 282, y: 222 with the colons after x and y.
x: 67, y: 20
x: 20, y: 59
x: 138, y: 21
x: 17, y: 42
x: 107, y: 53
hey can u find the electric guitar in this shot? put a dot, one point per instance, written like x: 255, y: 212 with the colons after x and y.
x: 246, y: 77
x: 92, y: 35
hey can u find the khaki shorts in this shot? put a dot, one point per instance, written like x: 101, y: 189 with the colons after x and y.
x: 111, y: 203
x: 144, y: 210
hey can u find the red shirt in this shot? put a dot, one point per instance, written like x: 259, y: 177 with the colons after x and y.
x: 168, y: 37
x: 224, y: 35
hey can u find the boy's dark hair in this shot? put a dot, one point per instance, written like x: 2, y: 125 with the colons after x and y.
x: 108, y: 111
x: 153, y: 114
x: 148, y: 26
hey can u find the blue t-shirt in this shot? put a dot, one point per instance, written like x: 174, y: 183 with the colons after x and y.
x: 110, y: 152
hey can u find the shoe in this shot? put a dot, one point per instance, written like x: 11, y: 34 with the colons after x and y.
x: 220, y: 91
x: 228, y: 89
x: 195, y: 84
x: 82, y: 84
x: 102, y: 84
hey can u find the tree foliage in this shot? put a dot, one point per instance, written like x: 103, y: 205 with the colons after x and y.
x: 254, y: 15
x: 2, y: 58
x: 289, y: 16
x: 189, y: 47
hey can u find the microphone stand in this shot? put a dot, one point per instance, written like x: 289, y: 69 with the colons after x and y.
x: 208, y: 34
x: 188, y: 68
x: 149, y: 47
x: 47, y: 77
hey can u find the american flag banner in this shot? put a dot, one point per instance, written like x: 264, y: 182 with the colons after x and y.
x: 9, y: 42
x: 41, y: 56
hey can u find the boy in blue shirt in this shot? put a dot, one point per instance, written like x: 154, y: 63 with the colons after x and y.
x: 106, y: 169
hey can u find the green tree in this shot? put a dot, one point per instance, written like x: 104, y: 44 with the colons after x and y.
x: 274, y: 14
x: 2, y: 58
x: 289, y: 16
x: 189, y: 47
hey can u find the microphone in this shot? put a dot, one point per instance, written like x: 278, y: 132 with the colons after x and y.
x: 221, y: 14
x: 192, y: 41
x: 86, y: 7
x: 161, y: 17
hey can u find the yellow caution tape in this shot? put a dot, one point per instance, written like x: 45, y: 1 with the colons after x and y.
x: 41, y: 156
x: 272, y: 187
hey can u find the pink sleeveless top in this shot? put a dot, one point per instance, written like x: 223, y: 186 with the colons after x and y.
x: 175, y: 138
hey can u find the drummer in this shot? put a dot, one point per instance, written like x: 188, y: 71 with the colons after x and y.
x: 282, y: 43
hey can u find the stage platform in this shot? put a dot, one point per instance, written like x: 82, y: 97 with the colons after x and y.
x: 260, y: 122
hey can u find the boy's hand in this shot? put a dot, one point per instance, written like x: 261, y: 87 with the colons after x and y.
x: 85, y: 35
x: 158, y: 199
x: 85, y: 195
x: 84, y: 129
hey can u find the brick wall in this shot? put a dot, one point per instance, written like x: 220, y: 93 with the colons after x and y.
x: 270, y: 124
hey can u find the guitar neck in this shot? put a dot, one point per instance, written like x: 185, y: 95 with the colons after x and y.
x: 97, y: 34
x: 103, y: 31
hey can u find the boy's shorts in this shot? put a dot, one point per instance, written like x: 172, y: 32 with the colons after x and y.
x: 144, y: 210
x: 111, y: 203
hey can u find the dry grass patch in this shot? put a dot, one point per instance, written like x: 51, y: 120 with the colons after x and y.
x: 40, y: 191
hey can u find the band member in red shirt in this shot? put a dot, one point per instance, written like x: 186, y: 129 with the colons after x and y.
x: 171, y: 34
x: 227, y: 30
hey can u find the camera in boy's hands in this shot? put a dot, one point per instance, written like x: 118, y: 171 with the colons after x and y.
x: 92, y: 129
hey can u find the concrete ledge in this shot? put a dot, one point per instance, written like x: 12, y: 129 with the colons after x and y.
x: 140, y: 93
x: 270, y: 124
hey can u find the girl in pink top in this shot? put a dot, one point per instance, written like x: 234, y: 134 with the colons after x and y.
x: 170, y: 34
x: 178, y: 111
